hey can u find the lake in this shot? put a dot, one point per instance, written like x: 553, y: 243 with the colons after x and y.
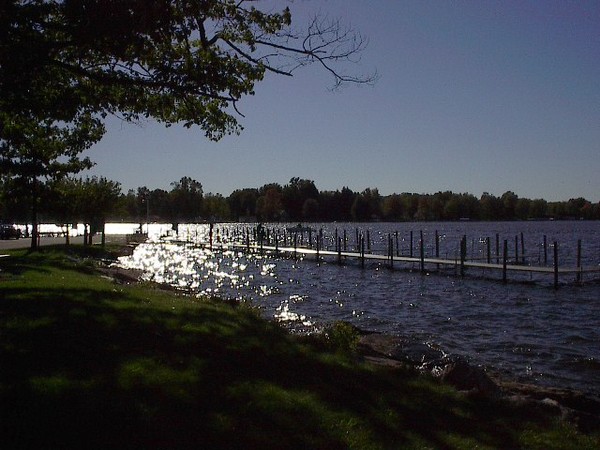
x: 524, y: 329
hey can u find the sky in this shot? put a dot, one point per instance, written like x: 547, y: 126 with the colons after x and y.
x: 472, y: 96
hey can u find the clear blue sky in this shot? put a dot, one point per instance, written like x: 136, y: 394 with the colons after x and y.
x: 473, y: 96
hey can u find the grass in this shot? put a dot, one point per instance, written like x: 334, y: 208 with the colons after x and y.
x: 87, y: 362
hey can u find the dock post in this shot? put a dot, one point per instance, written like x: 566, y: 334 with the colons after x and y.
x: 276, y: 244
x: 345, y: 241
x: 397, y: 245
x: 437, y: 247
x: 362, y: 252
x: 504, y: 259
x: 555, y: 265
x: 295, y: 243
x: 545, y: 250
x: 422, y: 253
x: 369, y: 241
x: 463, y: 254
x: 411, y: 244
x: 339, y: 249
x: 497, y: 248
x: 516, y: 249
x: 247, y: 241
x: 391, y: 250
x: 489, y: 256
x: 336, y: 238
x: 318, y: 248
x: 357, y: 240
x: 578, y: 278
x: 522, y: 249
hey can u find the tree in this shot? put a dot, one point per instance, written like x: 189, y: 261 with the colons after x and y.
x: 66, y: 65
x: 187, y: 61
x: 216, y: 207
x: 295, y: 194
x: 242, y: 203
x: 337, y: 205
x: 310, y: 209
x: 367, y: 205
x: 538, y: 208
x: 522, y: 209
x: 491, y: 207
x: 392, y: 208
x: 269, y: 206
x: 186, y: 199
x: 509, y: 202
x: 33, y: 153
x: 90, y: 200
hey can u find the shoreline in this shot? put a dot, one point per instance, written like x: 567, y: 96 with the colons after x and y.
x: 380, y: 349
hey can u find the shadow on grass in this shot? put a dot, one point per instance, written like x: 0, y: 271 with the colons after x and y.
x: 110, y: 368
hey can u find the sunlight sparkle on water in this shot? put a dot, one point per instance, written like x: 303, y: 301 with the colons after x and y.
x: 283, y: 313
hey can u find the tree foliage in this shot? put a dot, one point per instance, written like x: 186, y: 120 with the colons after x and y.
x: 187, y: 61
x: 67, y: 64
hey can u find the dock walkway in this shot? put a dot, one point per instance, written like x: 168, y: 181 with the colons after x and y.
x: 422, y: 262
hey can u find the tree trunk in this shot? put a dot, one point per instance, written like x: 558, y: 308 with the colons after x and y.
x: 34, y: 216
x: 103, y: 234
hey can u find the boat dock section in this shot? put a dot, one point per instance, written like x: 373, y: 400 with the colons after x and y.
x: 423, y: 263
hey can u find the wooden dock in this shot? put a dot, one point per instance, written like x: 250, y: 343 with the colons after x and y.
x: 423, y: 263
x: 308, y: 242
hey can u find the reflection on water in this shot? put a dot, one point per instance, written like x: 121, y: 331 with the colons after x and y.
x: 528, y: 331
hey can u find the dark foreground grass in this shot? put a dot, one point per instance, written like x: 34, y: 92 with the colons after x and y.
x: 87, y: 363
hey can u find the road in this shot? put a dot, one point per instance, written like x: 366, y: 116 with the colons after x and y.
x: 6, y: 244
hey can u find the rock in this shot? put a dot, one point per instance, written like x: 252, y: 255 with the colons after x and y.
x: 465, y: 377
x: 121, y: 275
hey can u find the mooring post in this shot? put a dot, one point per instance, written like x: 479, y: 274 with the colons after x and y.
x: 463, y: 254
x: 336, y: 238
x: 545, y: 250
x: 489, y: 256
x: 369, y: 241
x: 391, y: 250
x: 248, y: 241
x: 497, y: 248
x: 504, y: 260
x: 295, y: 243
x: 318, y: 248
x: 345, y: 241
x: 357, y: 240
x: 411, y: 244
x: 522, y: 248
x: 339, y: 246
x: 362, y: 252
x: 555, y: 265
x: 516, y: 249
x: 422, y: 253
x: 397, y: 245
x: 578, y: 278
x: 437, y: 247
x: 260, y: 238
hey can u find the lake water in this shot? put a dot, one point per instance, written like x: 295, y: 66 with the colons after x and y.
x: 524, y: 329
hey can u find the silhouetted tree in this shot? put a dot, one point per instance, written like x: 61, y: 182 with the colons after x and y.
x: 186, y: 199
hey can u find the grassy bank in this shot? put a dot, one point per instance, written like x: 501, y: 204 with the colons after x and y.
x: 89, y: 362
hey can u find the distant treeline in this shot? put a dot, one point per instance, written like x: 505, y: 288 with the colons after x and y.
x: 300, y: 200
